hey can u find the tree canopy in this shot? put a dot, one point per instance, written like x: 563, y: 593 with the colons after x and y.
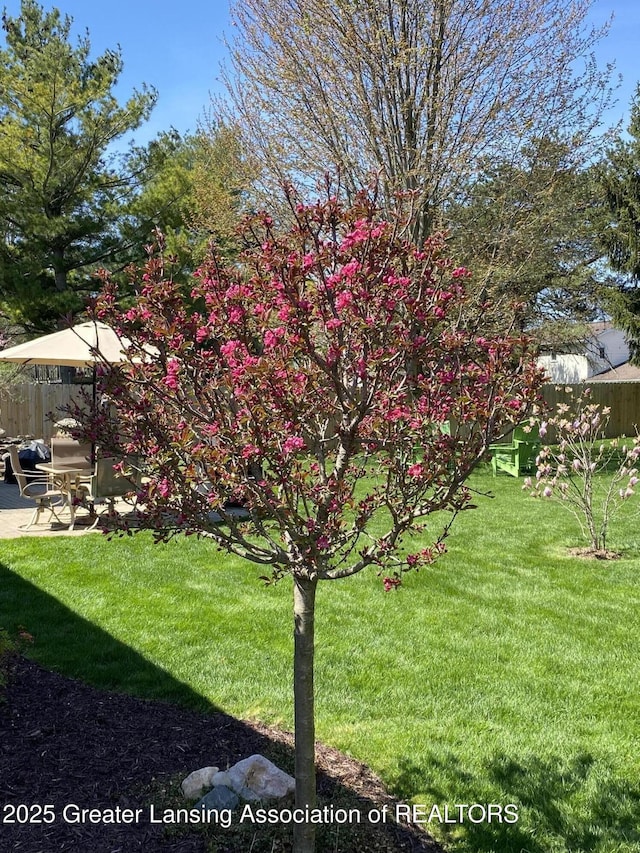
x: 620, y: 182
x: 420, y: 91
x: 62, y: 186
x: 329, y: 385
x: 446, y: 101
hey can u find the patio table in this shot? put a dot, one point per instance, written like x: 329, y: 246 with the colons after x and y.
x: 67, y: 480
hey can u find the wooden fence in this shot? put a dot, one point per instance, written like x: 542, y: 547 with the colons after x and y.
x: 622, y: 397
x: 25, y: 408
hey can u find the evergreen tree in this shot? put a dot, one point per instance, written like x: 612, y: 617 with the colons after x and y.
x: 620, y: 182
x: 526, y: 224
x: 164, y: 201
x: 62, y: 188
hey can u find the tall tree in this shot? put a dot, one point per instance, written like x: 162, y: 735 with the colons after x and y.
x: 223, y: 174
x: 620, y: 183
x: 420, y: 91
x: 529, y: 226
x: 287, y: 392
x: 195, y: 192
x: 61, y: 187
x: 166, y: 167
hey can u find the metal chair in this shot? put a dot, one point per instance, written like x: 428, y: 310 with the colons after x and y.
x: 107, y: 484
x: 71, y: 453
x: 34, y: 487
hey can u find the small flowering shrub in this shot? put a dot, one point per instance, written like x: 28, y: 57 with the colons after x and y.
x: 587, y: 475
x: 309, y: 383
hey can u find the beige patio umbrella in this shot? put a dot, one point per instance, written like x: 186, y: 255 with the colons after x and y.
x: 84, y: 345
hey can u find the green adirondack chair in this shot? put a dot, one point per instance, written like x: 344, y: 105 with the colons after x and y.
x: 518, y: 456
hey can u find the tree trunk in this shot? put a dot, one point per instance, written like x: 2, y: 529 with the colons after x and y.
x: 59, y: 269
x: 304, y: 597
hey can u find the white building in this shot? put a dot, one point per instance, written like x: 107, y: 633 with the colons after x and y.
x: 605, y: 349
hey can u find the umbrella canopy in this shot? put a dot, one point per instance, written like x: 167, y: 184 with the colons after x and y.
x: 72, y: 347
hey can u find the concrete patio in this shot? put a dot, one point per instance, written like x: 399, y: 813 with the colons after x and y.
x: 16, y: 512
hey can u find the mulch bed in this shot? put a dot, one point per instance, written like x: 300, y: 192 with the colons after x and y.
x: 64, y: 742
x: 595, y: 553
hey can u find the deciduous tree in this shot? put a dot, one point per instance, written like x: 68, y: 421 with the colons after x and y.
x: 223, y: 175
x: 588, y: 476
x: 327, y: 385
x: 420, y: 91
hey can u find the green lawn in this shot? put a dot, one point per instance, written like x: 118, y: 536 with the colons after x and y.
x: 506, y: 673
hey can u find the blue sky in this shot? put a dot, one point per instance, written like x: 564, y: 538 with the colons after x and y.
x: 174, y: 46
x: 177, y: 47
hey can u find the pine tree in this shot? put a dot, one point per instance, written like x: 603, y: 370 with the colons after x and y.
x: 620, y: 182
x: 61, y: 186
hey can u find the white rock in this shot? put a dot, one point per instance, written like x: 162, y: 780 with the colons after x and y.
x: 196, y: 782
x: 261, y: 776
x: 221, y: 778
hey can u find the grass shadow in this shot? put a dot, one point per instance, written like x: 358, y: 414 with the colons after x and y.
x: 572, y: 804
x: 32, y: 752
x: 63, y: 637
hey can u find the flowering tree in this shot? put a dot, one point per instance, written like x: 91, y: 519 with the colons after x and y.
x: 590, y: 477
x: 310, y: 385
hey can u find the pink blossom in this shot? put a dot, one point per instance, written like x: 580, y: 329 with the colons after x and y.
x: 343, y: 300
x: 250, y: 450
x: 171, y: 379
x: 460, y: 272
x: 292, y: 444
x: 397, y: 413
x: 270, y: 339
x: 164, y: 488
x: 236, y: 314
x: 230, y: 347
x: 352, y: 268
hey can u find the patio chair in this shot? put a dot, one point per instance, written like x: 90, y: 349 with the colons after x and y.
x: 107, y: 484
x: 68, y: 452
x: 35, y: 487
x: 518, y: 456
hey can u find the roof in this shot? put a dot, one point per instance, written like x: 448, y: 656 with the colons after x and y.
x: 625, y: 372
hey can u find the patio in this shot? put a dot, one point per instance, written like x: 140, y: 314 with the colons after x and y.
x: 16, y: 511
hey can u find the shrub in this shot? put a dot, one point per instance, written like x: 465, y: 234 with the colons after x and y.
x: 591, y: 477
